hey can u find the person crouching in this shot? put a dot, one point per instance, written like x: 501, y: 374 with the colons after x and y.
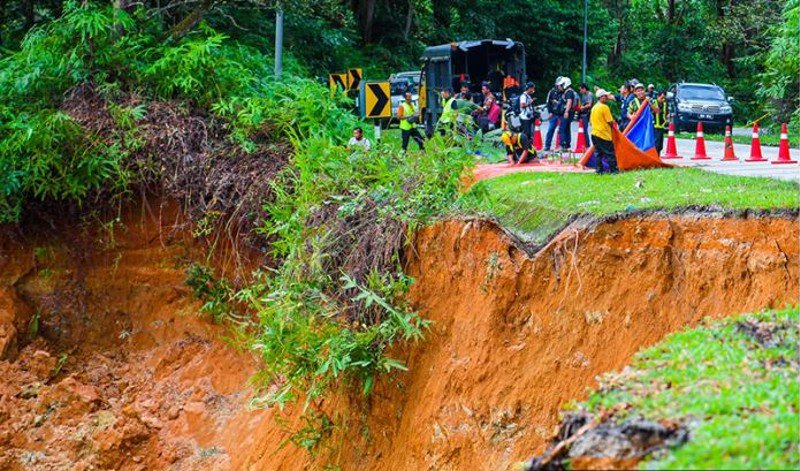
x: 519, y: 149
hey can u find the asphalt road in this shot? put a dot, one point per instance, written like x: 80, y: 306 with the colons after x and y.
x: 716, y: 150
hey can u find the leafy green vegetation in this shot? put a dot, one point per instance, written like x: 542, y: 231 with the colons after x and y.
x: 733, y: 383
x: 535, y: 205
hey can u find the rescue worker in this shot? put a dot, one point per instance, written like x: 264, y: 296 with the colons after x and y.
x: 449, y: 111
x: 639, y: 96
x: 661, y: 120
x: 553, y: 100
x: 569, y: 100
x: 519, y: 148
x: 526, y: 108
x: 651, y: 92
x: 409, y: 117
x: 602, y: 133
x: 624, y: 98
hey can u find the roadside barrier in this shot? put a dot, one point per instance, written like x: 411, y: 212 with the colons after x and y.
x: 729, y: 154
x: 672, y: 146
x: 580, y: 143
x: 537, y: 135
x: 755, y: 147
x: 700, y: 144
x: 783, y: 152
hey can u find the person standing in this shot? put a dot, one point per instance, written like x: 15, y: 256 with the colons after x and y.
x: 553, y: 100
x: 408, y: 116
x: 602, y: 133
x: 464, y: 94
x: 624, y: 98
x: 639, y: 96
x: 586, y: 106
x: 569, y: 100
x: 651, y: 92
x: 660, y: 120
x: 526, y: 108
x: 449, y: 111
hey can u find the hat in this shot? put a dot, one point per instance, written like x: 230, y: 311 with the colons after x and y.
x: 529, y: 85
x: 638, y: 86
x: 600, y: 93
x: 506, y: 138
x: 651, y: 86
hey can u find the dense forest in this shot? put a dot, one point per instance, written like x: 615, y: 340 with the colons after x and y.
x: 749, y: 47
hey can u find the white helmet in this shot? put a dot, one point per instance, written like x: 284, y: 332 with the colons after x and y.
x: 566, y: 82
x: 558, y: 80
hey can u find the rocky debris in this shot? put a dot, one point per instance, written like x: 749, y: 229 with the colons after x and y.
x: 587, y: 442
x: 766, y: 334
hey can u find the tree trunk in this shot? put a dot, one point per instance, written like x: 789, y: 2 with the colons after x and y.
x: 409, y: 20
x: 366, y: 17
x: 191, y: 19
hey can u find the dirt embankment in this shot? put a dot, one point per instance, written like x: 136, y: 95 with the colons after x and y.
x: 145, y: 384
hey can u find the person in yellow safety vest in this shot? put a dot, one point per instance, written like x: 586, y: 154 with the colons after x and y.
x: 636, y: 103
x: 449, y: 112
x: 518, y: 147
x: 661, y: 120
x: 408, y: 116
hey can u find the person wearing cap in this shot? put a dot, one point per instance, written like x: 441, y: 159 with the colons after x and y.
x: 602, y: 133
x: 651, y: 92
x: 553, y: 99
x: 639, y: 96
x: 519, y: 148
x: 449, y: 111
x: 526, y: 108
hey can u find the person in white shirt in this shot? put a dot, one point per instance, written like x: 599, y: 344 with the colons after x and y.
x: 358, y: 140
x: 526, y: 109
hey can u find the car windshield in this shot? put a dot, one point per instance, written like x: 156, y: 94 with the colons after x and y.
x: 399, y: 87
x: 701, y: 93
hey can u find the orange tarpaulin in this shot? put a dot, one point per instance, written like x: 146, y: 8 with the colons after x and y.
x: 630, y: 157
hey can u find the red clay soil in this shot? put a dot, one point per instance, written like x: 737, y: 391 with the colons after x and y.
x: 486, y: 171
x: 148, y: 385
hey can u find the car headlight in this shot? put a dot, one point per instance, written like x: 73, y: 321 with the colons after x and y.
x: 725, y: 109
x: 682, y: 107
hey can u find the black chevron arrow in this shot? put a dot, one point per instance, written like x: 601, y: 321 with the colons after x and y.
x: 381, y: 100
x: 355, y: 79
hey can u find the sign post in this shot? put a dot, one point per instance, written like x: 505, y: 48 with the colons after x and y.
x: 374, y: 101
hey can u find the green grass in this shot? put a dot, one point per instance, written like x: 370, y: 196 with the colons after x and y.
x: 739, y: 398
x: 535, y: 205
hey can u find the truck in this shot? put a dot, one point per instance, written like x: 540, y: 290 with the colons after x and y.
x: 499, y: 62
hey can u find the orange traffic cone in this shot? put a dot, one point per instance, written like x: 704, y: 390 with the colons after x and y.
x: 729, y: 154
x: 783, y: 151
x: 755, y: 147
x: 558, y: 134
x: 700, y: 144
x: 580, y: 144
x: 672, y: 147
x: 537, y: 135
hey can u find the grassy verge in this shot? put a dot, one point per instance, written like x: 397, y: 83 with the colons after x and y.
x: 534, y: 205
x: 733, y: 383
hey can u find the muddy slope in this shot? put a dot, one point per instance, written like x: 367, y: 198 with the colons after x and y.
x: 146, y: 384
x: 516, y: 337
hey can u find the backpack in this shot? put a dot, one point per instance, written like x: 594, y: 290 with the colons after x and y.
x: 553, y: 96
x: 514, y: 106
x: 562, y: 102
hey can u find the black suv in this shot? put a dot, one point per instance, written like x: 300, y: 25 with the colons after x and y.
x: 691, y: 103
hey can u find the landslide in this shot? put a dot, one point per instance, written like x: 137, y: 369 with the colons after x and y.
x: 107, y: 365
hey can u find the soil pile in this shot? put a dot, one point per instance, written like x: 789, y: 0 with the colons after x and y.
x: 106, y: 365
